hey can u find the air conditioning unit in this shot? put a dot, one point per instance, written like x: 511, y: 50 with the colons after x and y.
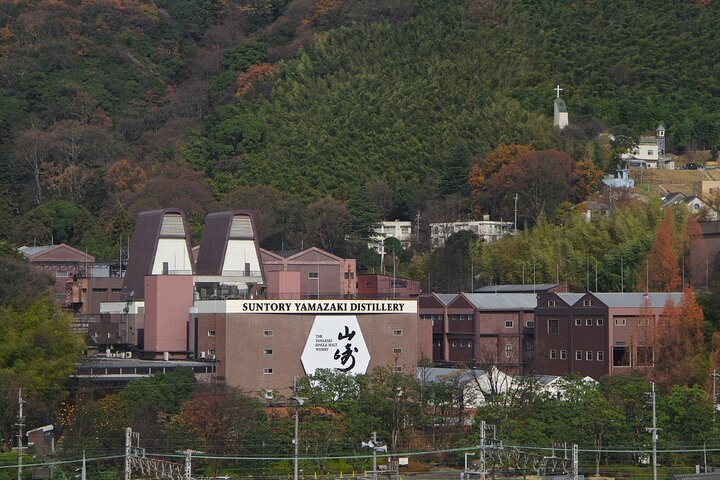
x: 202, y: 354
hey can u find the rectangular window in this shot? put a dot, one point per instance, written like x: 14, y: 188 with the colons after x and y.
x: 578, y: 322
x: 620, y: 322
x: 508, y: 323
x: 600, y: 356
x: 650, y: 152
x: 453, y: 343
x: 397, y: 368
x: 644, y: 356
x: 211, y: 333
x: 397, y: 333
x: 349, y: 275
x: 470, y: 343
x: 553, y: 354
x: 643, y: 322
x: 578, y: 354
x: 313, y: 275
x: 588, y: 322
x: 587, y: 303
x: 211, y: 351
x: 268, y: 351
x: 268, y: 333
x: 99, y: 290
x: 588, y: 355
x: 621, y: 356
x: 599, y: 322
x: 563, y: 354
x: 462, y: 317
x: 530, y: 324
x: 552, y: 303
x: 553, y: 325
x: 397, y: 351
x: 267, y: 371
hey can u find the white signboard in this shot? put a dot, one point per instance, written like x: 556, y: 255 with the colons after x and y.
x: 335, y: 342
x: 329, y: 307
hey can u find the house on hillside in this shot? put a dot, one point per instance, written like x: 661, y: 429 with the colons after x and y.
x: 649, y: 152
x: 693, y: 203
x: 400, y: 229
x: 488, y: 230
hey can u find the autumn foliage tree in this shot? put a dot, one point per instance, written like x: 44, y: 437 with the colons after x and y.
x: 679, y: 344
x: 541, y: 179
x: 662, y: 267
x: 489, y: 165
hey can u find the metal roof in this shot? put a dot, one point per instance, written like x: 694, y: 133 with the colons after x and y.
x: 529, y: 288
x: 436, y: 374
x: 570, y: 298
x: 445, y: 298
x: 637, y: 300
x: 502, y: 301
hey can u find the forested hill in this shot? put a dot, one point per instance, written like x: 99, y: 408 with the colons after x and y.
x: 389, y: 100
x: 107, y: 108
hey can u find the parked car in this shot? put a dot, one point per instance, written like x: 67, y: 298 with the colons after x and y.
x: 693, y: 166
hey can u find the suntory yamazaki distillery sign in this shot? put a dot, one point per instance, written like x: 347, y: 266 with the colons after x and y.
x: 335, y: 342
x: 330, y: 307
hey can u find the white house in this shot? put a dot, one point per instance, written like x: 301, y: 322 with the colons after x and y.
x: 488, y: 230
x: 400, y: 229
x: 693, y: 203
x: 649, y: 152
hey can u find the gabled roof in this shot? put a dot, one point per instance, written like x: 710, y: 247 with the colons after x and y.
x: 637, y: 300
x: 445, y: 298
x: 529, y: 288
x: 318, y: 252
x: 143, y: 247
x: 502, y: 301
x: 219, y: 229
x: 273, y: 255
x: 55, y: 253
x: 570, y: 298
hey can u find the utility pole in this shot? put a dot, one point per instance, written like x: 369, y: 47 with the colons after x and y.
x: 515, y: 223
x: 574, y: 461
x: 417, y: 228
x: 376, y: 447
x: 483, y: 441
x: 128, y: 452
x: 653, y: 431
x: 715, y: 375
x: 20, y: 424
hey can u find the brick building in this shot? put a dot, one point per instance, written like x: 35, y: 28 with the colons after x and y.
x: 484, y: 329
x: 596, y: 334
x: 260, y: 334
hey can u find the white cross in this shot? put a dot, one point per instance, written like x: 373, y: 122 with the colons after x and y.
x: 558, y: 90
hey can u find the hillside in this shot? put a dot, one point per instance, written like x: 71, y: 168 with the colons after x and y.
x: 119, y: 107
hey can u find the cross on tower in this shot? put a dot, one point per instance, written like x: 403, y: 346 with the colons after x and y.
x: 558, y: 90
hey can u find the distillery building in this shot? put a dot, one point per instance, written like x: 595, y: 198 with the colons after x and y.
x: 260, y: 335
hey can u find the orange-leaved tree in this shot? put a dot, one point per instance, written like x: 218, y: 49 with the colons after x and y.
x: 679, y: 344
x: 662, y: 272
x: 490, y: 165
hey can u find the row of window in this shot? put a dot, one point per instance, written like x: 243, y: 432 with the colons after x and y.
x: 271, y: 333
x: 586, y: 303
x: 553, y: 325
x: 599, y: 356
x: 588, y: 322
x: 316, y: 275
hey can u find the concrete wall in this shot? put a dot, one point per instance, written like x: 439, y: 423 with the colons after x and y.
x: 168, y: 299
